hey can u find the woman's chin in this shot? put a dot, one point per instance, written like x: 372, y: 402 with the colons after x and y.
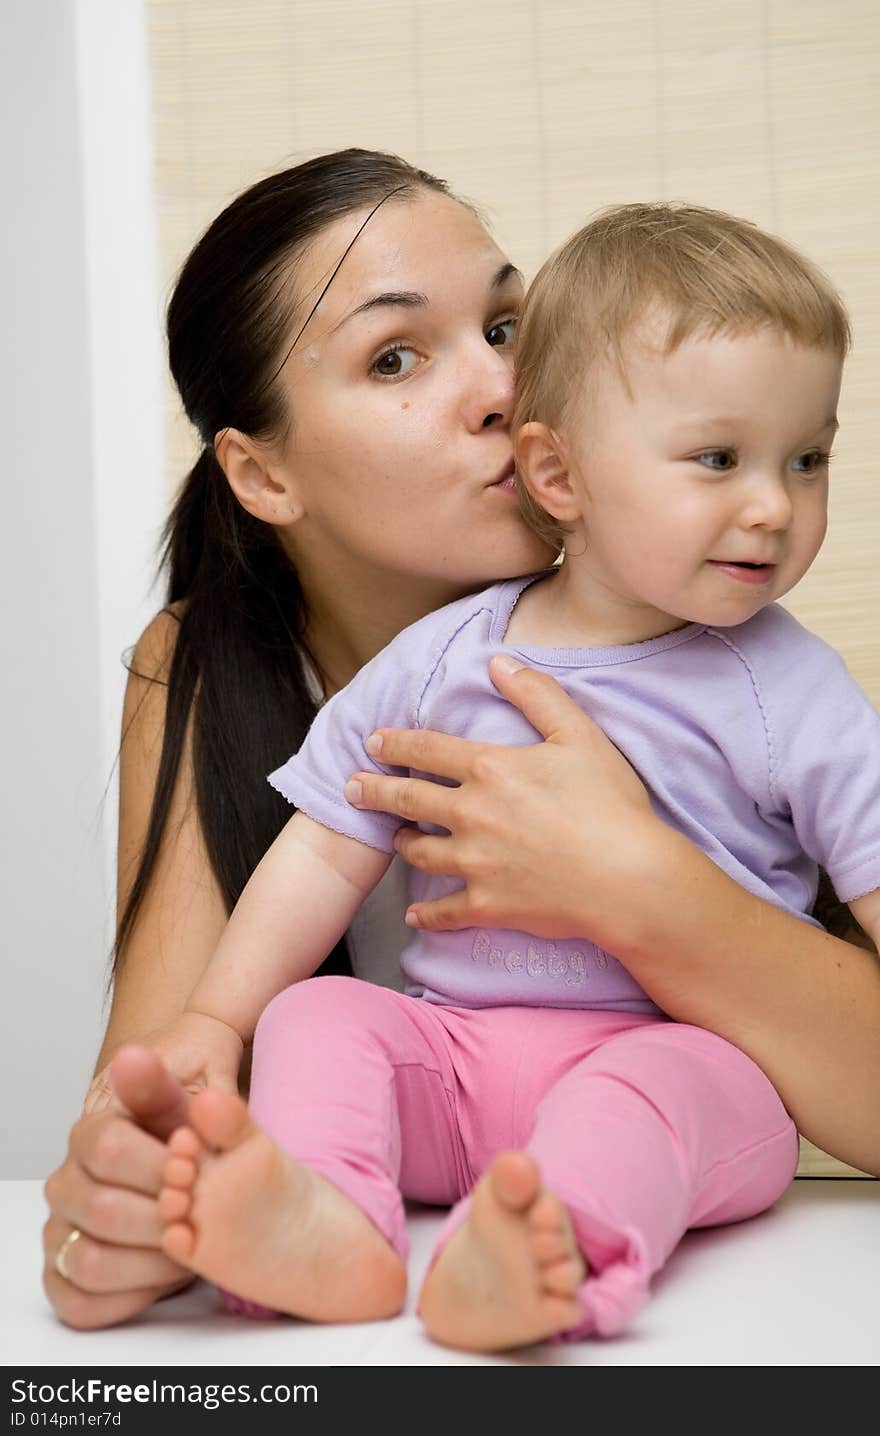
x: 530, y: 556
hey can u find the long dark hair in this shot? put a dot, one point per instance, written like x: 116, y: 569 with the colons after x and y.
x: 237, y: 669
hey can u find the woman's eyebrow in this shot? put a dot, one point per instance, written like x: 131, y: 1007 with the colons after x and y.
x: 403, y: 299
x: 411, y: 299
x: 505, y: 273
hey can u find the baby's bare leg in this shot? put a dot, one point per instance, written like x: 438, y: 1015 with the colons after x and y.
x: 240, y: 1212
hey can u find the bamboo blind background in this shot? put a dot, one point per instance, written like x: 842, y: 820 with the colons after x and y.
x: 542, y: 111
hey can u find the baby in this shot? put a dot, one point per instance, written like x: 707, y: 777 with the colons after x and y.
x: 678, y: 378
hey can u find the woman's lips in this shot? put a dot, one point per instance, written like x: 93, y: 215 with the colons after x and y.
x: 755, y: 573
x: 506, y: 479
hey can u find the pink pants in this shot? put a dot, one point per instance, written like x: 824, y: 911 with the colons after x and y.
x: 643, y: 1127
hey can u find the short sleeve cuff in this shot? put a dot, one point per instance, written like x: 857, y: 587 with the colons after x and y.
x: 856, y: 879
x: 376, y: 830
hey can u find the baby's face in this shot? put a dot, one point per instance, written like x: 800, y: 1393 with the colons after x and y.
x: 703, y: 495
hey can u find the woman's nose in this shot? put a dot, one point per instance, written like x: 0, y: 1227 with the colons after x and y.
x: 487, y: 391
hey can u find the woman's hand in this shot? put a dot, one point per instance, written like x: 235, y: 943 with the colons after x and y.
x: 199, y: 1051
x: 106, y: 1189
x: 548, y: 839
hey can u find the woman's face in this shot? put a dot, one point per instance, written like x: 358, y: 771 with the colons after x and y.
x: 400, y: 391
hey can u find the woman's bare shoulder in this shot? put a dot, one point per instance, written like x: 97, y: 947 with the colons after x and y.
x: 154, y: 650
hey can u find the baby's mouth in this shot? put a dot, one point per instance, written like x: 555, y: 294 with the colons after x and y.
x: 745, y: 570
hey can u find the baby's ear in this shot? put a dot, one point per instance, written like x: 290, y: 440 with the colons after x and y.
x: 543, y: 465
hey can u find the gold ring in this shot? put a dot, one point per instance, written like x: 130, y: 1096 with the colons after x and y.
x: 61, y: 1255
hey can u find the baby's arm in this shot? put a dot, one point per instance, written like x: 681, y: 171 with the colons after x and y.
x: 296, y: 906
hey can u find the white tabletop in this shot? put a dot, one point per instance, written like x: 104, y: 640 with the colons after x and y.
x: 797, y: 1286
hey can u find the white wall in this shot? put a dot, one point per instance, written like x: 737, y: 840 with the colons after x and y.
x: 80, y: 380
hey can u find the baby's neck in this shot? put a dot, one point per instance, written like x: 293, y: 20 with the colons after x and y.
x: 565, y: 611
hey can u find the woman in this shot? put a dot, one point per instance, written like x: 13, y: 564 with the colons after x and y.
x: 342, y: 340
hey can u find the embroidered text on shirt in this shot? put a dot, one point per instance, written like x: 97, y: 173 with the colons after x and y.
x: 538, y: 961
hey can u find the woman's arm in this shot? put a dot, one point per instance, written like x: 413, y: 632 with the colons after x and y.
x: 108, y: 1183
x: 560, y: 839
x: 804, y: 1005
x: 183, y: 914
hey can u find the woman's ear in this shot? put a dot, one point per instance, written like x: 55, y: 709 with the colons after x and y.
x: 544, y: 469
x: 258, y: 481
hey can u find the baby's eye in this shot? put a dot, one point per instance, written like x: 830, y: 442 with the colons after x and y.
x: 721, y: 461
x: 814, y: 461
x: 504, y: 332
x: 395, y: 363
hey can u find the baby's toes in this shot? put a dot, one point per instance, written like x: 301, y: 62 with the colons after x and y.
x: 184, y: 1142
x: 180, y: 1172
x: 547, y: 1214
x: 178, y: 1241
x: 551, y: 1246
x: 174, y: 1203
x: 562, y: 1278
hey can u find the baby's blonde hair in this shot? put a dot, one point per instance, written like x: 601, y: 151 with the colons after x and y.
x: 700, y: 269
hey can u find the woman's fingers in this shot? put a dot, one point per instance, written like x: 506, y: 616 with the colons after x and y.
x: 100, y: 1096
x: 115, y: 1267
x: 446, y: 914
x: 416, y: 799
x: 88, y: 1311
x: 111, y: 1149
x: 109, y: 1213
x: 101, y: 1267
x: 563, y: 724
x: 429, y: 854
x: 85, y: 1311
x: 423, y: 751
x: 153, y: 1096
x: 106, y: 1190
x: 539, y: 698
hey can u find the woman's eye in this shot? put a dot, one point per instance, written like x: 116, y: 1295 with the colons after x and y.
x: 721, y: 461
x: 814, y: 462
x: 395, y: 363
x: 504, y: 332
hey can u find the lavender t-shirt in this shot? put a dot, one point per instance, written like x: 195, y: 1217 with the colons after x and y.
x: 753, y: 741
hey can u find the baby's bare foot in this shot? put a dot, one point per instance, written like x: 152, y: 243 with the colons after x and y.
x: 240, y: 1212
x: 509, y: 1275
